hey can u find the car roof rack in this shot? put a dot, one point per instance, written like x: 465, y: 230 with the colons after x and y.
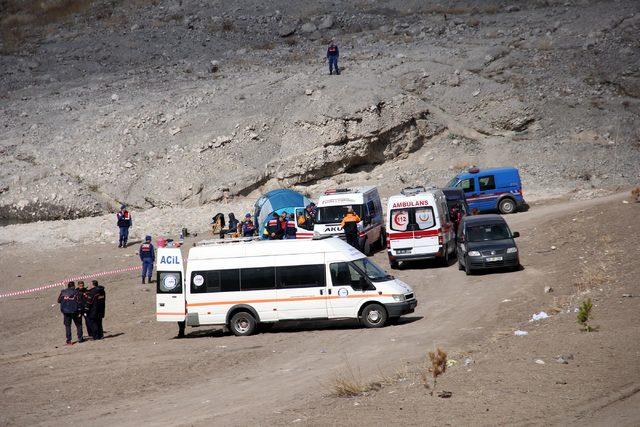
x: 410, y: 191
x: 223, y: 241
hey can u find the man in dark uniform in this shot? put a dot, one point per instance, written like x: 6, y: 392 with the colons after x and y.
x: 82, y: 294
x: 147, y: 256
x: 332, y: 57
x: 350, y: 226
x: 96, y: 299
x: 69, y: 306
x: 124, y: 222
x: 273, y: 230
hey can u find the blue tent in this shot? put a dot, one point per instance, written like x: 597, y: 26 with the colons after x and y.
x: 277, y: 201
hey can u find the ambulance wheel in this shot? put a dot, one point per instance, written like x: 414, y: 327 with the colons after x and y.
x: 444, y: 260
x: 366, y: 248
x: 383, y: 240
x: 374, y: 316
x: 507, y: 206
x: 242, y: 323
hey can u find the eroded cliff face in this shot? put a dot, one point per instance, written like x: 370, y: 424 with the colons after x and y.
x: 173, y: 105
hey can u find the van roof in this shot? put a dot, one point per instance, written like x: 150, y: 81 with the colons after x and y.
x: 489, y: 170
x: 353, y: 190
x: 433, y: 192
x: 238, y: 249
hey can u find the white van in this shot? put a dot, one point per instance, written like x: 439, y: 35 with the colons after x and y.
x: 241, y: 284
x: 332, y: 206
x: 418, y: 226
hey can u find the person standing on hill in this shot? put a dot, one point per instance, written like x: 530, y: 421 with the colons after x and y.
x: 69, y: 300
x: 350, y: 226
x: 147, y: 256
x: 124, y: 222
x: 332, y: 56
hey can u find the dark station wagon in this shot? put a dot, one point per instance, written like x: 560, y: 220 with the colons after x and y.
x: 484, y: 242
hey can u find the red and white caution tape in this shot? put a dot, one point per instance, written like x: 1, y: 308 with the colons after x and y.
x: 65, y: 281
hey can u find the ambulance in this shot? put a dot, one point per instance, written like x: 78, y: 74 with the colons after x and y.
x: 365, y: 201
x: 242, y: 284
x: 418, y: 227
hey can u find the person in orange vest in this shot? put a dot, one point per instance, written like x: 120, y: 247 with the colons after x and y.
x: 350, y: 226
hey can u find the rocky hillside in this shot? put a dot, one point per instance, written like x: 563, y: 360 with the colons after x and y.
x: 170, y: 103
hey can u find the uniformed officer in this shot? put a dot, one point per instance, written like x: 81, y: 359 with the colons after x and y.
x: 69, y: 306
x: 124, y: 222
x: 96, y: 302
x: 291, y: 229
x: 82, y: 291
x: 147, y: 256
x: 350, y: 226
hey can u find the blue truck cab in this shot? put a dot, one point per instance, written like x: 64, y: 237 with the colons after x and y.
x: 491, y: 189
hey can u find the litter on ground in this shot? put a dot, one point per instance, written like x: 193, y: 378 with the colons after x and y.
x: 520, y: 333
x: 539, y: 316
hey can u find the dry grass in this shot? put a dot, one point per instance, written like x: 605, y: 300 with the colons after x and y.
x: 228, y: 25
x: 592, y: 277
x: 545, y: 44
x: 349, y: 383
x: 635, y: 194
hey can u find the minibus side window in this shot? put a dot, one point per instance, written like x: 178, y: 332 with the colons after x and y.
x: 215, y: 281
x: 258, y: 279
x: 169, y: 282
x: 301, y: 276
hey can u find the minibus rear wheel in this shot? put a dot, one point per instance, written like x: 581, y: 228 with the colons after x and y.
x: 374, y: 316
x: 242, y: 323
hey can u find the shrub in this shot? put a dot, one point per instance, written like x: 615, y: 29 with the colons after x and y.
x: 584, y: 315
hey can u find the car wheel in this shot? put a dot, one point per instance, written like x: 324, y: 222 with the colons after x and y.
x: 374, y: 316
x: 507, y: 206
x: 242, y: 324
x: 394, y: 265
x: 467, y: 268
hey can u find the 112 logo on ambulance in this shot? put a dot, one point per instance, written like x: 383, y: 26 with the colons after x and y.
x: 400, y: 220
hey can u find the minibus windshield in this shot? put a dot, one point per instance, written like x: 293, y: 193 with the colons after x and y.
x: 334, y: 214
x: 373, y: 272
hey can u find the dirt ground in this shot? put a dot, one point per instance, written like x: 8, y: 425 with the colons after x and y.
x: 140, y: 373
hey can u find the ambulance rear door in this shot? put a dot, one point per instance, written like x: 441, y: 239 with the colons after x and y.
x: 425, y: 230
x: 400, y: 234
x: 170, y: 292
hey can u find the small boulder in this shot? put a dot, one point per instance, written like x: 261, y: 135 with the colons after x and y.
x: 309, y: 27
x: 286, y: 30
x: 326, y: 22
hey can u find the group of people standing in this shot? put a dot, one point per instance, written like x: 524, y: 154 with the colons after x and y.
x: 77, y: 303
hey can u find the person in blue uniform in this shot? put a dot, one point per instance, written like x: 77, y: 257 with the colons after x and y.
x: 147, y: 256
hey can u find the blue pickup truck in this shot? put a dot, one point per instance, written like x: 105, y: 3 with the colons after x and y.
x: 489, y: 190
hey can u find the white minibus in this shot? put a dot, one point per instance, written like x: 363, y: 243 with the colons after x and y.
x: 244, y: 283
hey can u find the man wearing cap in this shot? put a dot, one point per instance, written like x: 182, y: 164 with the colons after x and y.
x: 69, y: 300
x: 124, y: 222
x: 147, y: 256
x: 248, y: 228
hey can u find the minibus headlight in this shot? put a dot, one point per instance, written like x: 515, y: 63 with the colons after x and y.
x: 512, y: 250
x: 474, y: 253
x: 398, y: 297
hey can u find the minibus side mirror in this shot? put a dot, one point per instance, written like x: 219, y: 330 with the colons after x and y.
x: 516, y: 234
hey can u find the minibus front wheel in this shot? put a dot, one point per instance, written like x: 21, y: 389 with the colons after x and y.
x: 242, y: 323
x: 374, y: 316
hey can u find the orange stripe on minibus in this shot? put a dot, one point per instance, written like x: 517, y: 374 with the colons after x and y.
x: 291, y: 299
